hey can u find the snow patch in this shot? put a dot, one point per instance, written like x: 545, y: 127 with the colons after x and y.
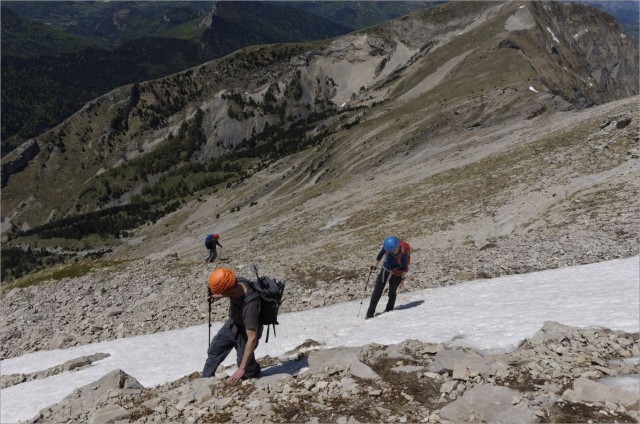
x: 580, y: 33
x: 630, y: 383
x: 533, y: 89
x: 553, y: 35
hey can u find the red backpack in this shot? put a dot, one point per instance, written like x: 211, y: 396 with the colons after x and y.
x: 404, y: 247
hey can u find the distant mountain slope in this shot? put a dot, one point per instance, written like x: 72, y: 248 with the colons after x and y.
x: 281, y: 126
x: 238, y: 24
x: 627, y: 13
x: 362, y: 14
x: 40, y: 89
x: 22, y: 37
x: 39, y: 92
x: 114, y: 21
x: 72, y: 26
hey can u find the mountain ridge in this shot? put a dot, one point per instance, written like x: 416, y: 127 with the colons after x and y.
x: 528, y: 188
x: 231, y: 137
x: 230, y: 132
x: 172, y: 36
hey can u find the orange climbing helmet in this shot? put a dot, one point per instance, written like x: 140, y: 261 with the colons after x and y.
x: 221, y: 280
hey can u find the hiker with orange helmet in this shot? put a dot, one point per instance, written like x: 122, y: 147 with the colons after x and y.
x: 210, y: 243
x: 394, y: 271
x: 241, y: 331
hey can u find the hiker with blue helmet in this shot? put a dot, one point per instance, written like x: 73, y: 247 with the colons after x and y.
x: 210, y: 243
x: 393, y: 271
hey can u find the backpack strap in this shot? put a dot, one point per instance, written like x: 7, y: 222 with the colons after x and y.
x: 251, y: 296
x: 274, y: 332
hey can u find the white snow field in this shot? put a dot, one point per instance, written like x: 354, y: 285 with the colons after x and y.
x: 493, y: 314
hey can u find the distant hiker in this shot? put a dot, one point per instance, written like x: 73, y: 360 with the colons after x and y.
x: 241, y: 331
x: 394, y: 270
x: 210, y: 243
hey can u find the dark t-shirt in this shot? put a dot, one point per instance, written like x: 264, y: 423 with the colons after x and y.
x: 246, y: 315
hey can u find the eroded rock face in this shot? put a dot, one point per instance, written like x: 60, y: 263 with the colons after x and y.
x: 605, y: 61
x: 525, y: 385
x: 20, y: 159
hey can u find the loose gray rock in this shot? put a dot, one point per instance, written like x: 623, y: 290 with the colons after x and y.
x: 487, y: 403
x: 342, y: 359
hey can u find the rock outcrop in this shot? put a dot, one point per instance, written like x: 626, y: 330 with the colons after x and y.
x: 23, y: 155
x: 552, y: 377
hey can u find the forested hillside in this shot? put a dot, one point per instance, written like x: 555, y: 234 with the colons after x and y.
x: 86, y: 49
x: 40, y: 89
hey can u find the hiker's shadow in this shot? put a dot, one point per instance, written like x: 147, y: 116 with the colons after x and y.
x: 290, y: 367
x: 409, y: 305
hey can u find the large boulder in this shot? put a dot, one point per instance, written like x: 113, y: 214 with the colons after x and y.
x: 341, y: 359
x: 585, y: 390
x: 488, y: 403
x: 93, y: 400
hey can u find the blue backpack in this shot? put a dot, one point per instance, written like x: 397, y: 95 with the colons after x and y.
x: 209, y: 241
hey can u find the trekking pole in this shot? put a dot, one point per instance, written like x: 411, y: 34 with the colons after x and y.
x: 365, y: 289
x: 220, y: 257
x: 210, y: 302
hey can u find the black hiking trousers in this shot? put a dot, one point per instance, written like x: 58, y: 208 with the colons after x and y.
x: 229, y: 336
x: 381, y: 281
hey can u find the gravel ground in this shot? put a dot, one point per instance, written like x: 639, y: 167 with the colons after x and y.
x: 559, y: 190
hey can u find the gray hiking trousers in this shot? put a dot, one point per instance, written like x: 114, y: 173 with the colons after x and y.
x: 229, y: 336
x: 381, y: 281
x: 213, y: 254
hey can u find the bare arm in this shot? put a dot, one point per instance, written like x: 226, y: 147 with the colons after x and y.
x: 250, y: 347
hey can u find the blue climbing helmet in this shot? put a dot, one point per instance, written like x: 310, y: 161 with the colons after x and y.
x: 390, y: 243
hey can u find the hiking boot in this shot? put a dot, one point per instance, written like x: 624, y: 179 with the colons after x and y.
x: 255, y: 375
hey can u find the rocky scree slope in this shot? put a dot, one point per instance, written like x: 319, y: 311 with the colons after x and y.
x: 556, y: 190
x: 553, y: 377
